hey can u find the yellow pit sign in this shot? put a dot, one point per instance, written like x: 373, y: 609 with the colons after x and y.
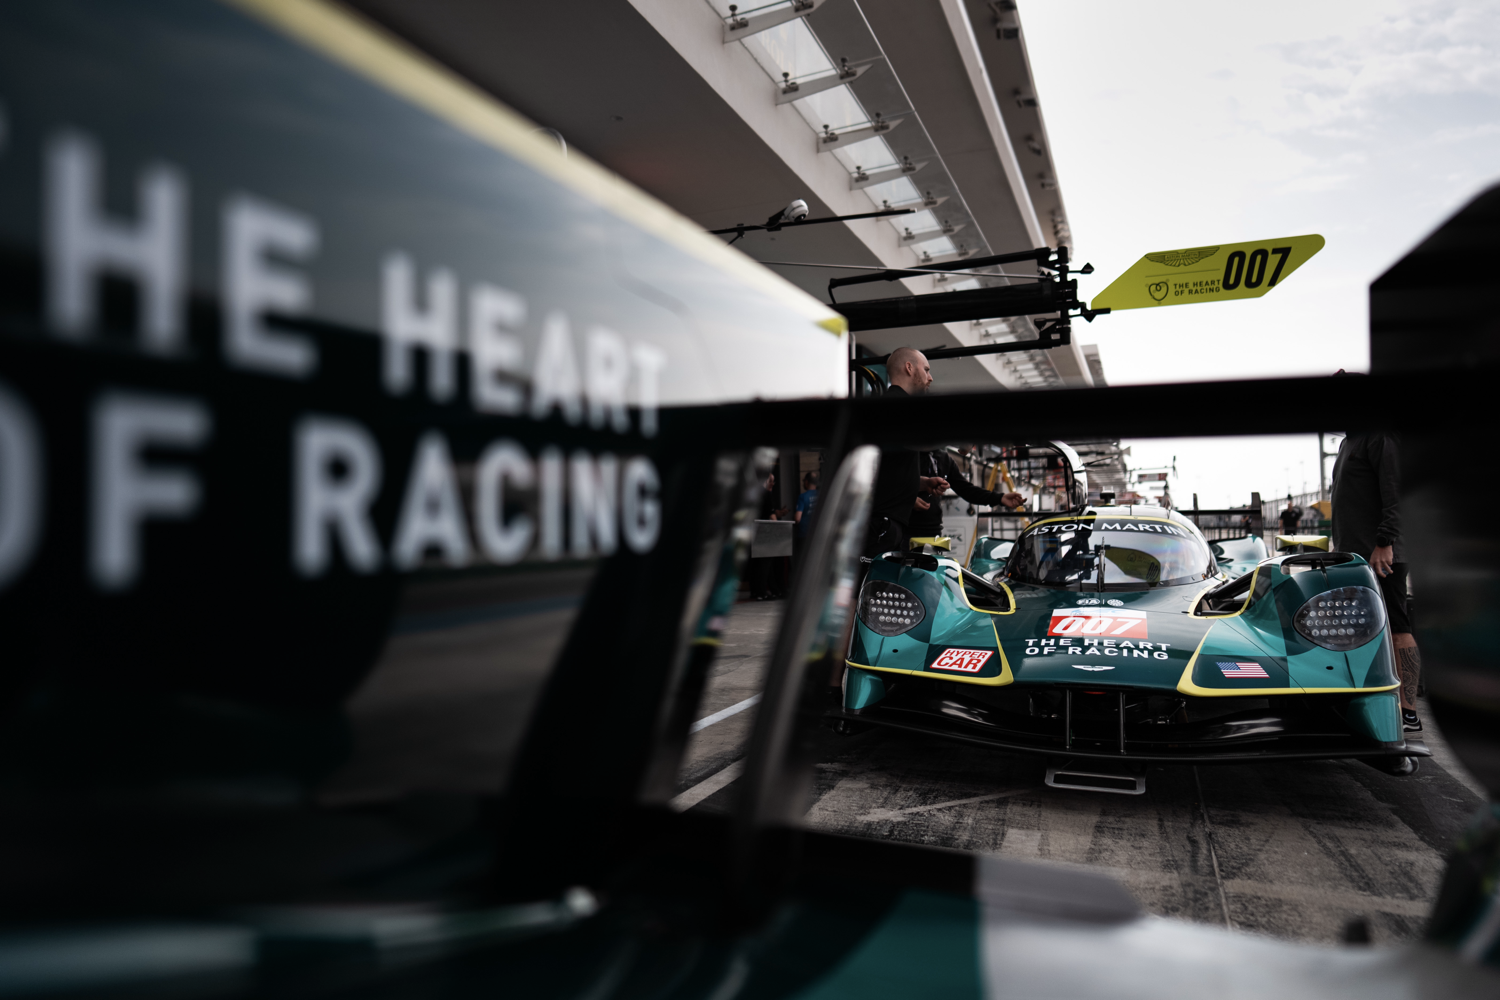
x: 1208, y: 274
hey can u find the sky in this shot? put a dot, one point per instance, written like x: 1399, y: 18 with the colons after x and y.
x: 1178, y: 123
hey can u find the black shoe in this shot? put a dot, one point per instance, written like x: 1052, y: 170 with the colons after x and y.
x: 1410, y: 722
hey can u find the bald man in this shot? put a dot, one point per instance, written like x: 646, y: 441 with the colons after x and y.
x: 908, y: 372
x: 900, y: 478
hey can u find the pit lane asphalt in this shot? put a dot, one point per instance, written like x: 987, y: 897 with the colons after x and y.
x: 1291, y: 849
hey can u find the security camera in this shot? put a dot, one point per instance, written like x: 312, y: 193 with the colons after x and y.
x: 795, y: 212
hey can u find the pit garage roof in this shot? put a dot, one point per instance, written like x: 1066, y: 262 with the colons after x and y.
x: 667, y: 94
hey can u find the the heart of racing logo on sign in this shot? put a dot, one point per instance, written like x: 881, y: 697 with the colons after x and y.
x: 1158, y: 290
x: 1108, y: 623
x: 965, y: 661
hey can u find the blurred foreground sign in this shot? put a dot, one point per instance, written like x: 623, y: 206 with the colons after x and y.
x: 1208, y: 274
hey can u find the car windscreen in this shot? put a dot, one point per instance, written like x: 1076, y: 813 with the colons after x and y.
x: 1250, y: 549
x: 1136, y: 553
x: 993, y: 548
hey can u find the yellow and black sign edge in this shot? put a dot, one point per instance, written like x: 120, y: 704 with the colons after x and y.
x: 390, y: 63
x: 1123, y: 292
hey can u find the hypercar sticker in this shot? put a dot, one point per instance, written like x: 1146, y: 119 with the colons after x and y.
x: 1115, y: 622
x: 967, y: 661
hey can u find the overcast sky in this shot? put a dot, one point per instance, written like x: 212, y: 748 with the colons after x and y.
x: 1177, y: 123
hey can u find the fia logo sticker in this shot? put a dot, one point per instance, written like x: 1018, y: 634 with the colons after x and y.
x: 965, y: 661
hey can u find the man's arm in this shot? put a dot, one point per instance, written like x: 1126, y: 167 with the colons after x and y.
x: 1387, y: 462
x: 967, y: 490
x: 1384, y: 457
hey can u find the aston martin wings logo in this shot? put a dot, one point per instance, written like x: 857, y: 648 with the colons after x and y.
x: 1079, y: 666
x: 1182, y: 258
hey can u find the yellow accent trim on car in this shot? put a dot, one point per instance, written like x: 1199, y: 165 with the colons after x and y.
x: 1185, y: 684
x: 1005, y: 676
x: 1193, y: 612
x: 937, y: 542
x: 389, y: 62
x: 1008, y: 593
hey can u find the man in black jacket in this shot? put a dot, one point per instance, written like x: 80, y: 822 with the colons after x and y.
x: 1290, y: 518
x: 1367, y: 522
x: 899, y: 478
x: 927, y: 519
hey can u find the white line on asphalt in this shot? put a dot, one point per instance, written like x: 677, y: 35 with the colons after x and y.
x: 899, y: 814
x: 703, y: 789
x: 725, y: 713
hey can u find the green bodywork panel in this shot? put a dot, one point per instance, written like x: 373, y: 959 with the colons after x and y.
x: 862, y: 688
x: 1143, y: 639
x: 1377, y: 716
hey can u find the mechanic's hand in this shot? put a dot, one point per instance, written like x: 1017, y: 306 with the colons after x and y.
x: 923, y: 504
x: 1381, y: 559
x: 934, y: 484
x: 1013, y: 500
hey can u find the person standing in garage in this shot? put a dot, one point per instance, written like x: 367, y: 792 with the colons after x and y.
x: 768, y: 575
x: 897, y: 483
x: 1290, y: 518
x: 1367, y: 522
x: 900, y: 478
x: 807, y: 501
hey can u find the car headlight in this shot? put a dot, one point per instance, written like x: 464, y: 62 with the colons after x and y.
x: 1341, y: 619
x: 889, y: 609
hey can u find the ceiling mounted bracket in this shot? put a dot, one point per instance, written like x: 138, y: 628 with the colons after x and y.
x: 870, y: 178
x: 794, y: 90
x: 909, y: 237
x: 738, y: 27
x: 829, y: 140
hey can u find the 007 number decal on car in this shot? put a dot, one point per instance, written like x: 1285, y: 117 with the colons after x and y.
x: 1113, y: 623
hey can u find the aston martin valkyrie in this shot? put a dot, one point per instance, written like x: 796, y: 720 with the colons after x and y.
x: 1112, y: 634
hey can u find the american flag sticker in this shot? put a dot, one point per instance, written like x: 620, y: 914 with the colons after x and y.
x: 1243, y: 669
x: 965, y: 661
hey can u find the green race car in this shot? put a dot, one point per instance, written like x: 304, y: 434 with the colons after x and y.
x: 1112, y: 634
x: 1238, y: 556
x: 989, y: 555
